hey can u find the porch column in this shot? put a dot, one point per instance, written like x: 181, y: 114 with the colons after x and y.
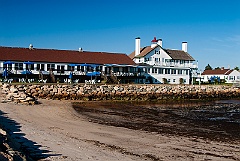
x: 35, y: 66
x: 45, y: 67
x: 13, y: 67
x: 24, y: 66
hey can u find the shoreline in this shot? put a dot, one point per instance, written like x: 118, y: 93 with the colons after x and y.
x: 28, y: 93
x: 55, y: 131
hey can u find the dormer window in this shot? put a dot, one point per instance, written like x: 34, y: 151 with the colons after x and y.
x: 156, y: 52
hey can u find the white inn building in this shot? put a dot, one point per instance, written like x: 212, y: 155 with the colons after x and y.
x: 164, y: 65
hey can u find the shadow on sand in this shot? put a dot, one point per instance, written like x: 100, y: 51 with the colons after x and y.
x: 18, y: 142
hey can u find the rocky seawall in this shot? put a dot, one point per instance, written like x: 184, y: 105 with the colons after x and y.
x: 28, y: 93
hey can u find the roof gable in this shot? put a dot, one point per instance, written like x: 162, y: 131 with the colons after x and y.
x: 174, y: 54
x: 62, y: 56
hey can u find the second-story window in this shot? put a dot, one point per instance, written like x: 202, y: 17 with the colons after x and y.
x: 18, y: 66
x: 29, y: 66
x: 50, y: 66
x: 40, y: 66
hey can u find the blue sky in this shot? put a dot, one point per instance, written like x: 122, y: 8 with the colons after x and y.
x: 211, y: 27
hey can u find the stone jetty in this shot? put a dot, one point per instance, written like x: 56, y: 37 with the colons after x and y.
x: 29, y: 93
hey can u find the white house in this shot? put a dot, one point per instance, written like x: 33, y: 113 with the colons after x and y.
x: 161, y: 65
x: 228, y: 75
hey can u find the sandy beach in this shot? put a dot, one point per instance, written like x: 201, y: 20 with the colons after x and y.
x: 53, y: 130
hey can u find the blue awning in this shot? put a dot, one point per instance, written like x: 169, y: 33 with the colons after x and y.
x: 93, y: 74
x: 28, y: 62
x: 73, y: 65
x: 26, y: 72
x: 8, y: 62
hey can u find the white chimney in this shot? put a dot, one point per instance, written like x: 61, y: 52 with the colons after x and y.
x: 30, y: 47
x: 184, y: 46
x: 154, y: 42
x: 159, y: 42
x: 137, y: 46
x: 80, y: 50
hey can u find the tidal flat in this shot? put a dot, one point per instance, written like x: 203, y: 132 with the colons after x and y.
x: 209, y: 120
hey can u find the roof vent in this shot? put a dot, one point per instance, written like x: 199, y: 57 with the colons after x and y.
x: 80, y: 50
x: 30, y: 47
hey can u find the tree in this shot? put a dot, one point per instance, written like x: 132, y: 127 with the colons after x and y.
x: 208, y: 67
x: 236, y: 68
x: 217, y: 68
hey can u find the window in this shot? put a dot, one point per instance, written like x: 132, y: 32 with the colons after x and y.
x: 187, y: 72
x: 167, y: 71
x: 180, y: 71
x: 29, y: 66
x: 70, y: 68
x: 154, y: 70
x: 132, y: 70
x: 7, y: 66
x: 80, y: 68
x: 148, y: 70
x: 174, y: 71
x: 160, y: 71
x: 174, y: 80
x: 60, y: 68
x: 18, y: 66
x: 40, y: 66
x: 50, y: 66
x: 115, y: 69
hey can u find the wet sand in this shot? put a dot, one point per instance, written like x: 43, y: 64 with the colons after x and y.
x: 212, y: 120
x: 53, y: 130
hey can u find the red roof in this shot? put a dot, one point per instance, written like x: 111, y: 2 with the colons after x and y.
x: 62, y: 56
x: 217, y: 72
